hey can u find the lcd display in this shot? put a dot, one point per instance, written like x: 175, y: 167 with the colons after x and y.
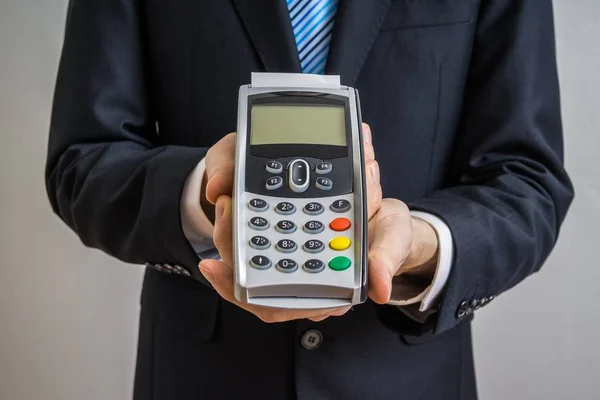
x: 298, y: 124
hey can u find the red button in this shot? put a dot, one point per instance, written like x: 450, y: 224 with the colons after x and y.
x: 340, y: 224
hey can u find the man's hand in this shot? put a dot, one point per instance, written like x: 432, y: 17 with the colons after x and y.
x: 398, y: 243
x: 220, y: 161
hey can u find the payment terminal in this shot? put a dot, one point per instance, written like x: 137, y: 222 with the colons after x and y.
x: 299, y: 198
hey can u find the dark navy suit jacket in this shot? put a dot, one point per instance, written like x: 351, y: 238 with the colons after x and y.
x: 463, y: 100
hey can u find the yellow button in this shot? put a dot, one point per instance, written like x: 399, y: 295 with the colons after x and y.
x: 340, y: 243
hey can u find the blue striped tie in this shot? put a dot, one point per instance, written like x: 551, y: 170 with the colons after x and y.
x: 312, y: 23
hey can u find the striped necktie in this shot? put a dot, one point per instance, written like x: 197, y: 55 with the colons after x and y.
x: 312, y: 23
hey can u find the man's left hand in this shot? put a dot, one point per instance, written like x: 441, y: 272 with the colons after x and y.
x: 398, y: 243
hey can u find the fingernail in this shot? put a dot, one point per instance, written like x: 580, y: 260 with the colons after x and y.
x: 367, y: 135
x: 374, y: 170
x: 206, y: 193
x: 219, y: 208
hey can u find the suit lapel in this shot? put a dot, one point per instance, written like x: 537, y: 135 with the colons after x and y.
x: 356, y: 26
x: 268, y: 25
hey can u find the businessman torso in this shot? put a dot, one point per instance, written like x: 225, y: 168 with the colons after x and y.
x: 409, y: 60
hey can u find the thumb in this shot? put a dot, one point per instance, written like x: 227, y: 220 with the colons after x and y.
x: 220, y: 276
x: 220, y: 167
x: 220, y: 181
x: 390, y: 238
x: 217, y: 272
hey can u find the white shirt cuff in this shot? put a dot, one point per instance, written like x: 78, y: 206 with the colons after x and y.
x: 197, y: 228
x: 445, y: 257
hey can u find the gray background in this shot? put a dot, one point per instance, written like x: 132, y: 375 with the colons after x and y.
x: 68, y: 315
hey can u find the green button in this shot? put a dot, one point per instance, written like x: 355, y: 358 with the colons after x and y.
x: 339, y: 263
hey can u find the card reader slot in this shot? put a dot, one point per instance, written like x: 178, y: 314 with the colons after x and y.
x: 301, y: 291
x: 299, y: 303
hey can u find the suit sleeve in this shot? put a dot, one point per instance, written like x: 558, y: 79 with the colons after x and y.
x: 107, y: 176
x: 507, y: 191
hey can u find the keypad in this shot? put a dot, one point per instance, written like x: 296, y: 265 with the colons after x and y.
x: 285, y: 227
x: 313, y: 246
x: 287, y: 265
x: 286, y: 246
x: 314, y: 227
x: 260, y: 262
x: 314, y: 208
x: 258, y: 205
x: 321, y: 242
x: 259, y: 223
x: 340, y: 206
x: 274, y: 183
x: 285, y: 208
x: 260, y: 243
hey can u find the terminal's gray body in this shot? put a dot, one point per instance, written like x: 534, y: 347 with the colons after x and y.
x: 286, y: 256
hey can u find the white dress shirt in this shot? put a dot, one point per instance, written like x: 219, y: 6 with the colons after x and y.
x: 198, y: 229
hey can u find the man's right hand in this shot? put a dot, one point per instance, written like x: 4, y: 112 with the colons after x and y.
x: 218, y: 173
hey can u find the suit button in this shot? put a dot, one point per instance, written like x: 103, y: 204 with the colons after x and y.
x: 475, y: 304
x: 157, y: 267
x: 462, y: 309
x: 312, y: 339
x: 491, y: 298
x: 181, y: 271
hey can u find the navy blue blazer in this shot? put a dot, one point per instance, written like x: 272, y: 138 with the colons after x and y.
x: 463, y: 100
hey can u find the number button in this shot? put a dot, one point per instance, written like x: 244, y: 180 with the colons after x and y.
x: 340, y: 206
x: 259, y: 223
x: 285, y: 208
x: 313, y: 266
x: 313, y: 208
x: 274, y: 183
x: 260, y: 243
x: 260, y: 262
x: 313, y: 246
x: 323, y: 168
x: 274, y: 167
x: 286, y: 246
x: 324, y: 183
x: 285, y: 227
x: 313, y: 227
x: 287, y: 265
x: 258, y: 205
